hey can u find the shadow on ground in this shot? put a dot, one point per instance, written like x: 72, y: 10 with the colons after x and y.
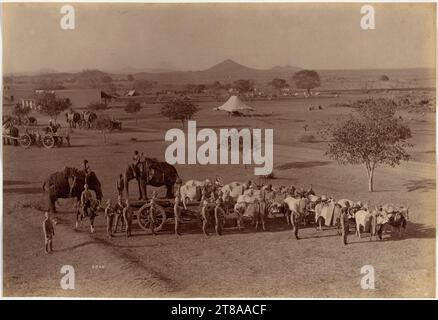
x: 421, y: 185
x: 302, y: 164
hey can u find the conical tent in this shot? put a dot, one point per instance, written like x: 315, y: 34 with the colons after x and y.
x: 234, y: 104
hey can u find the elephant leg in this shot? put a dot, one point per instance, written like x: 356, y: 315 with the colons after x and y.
x: 140, y: 191
x: 263, y: 222
x: 52, y: 206
x: 169, y: 191
x: 204, y: 227
x: 92, y: 225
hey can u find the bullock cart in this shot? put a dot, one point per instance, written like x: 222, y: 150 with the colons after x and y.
x: 163, y: 213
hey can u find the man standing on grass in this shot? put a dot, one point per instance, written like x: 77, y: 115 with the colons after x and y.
x: 120, y: 184
x: 49, y: 232
x: 345, y: 222
x: 109, y: 215
x: 127, y: 217
x: 118, y: 209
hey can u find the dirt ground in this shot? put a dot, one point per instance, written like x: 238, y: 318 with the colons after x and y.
x: 248, y: 264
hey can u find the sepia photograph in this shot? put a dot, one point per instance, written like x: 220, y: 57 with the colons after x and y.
x: 219, y: 150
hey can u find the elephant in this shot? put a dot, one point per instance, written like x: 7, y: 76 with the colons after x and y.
x: 69, y: 183
x: 10, y: 130
x: 151, y: 172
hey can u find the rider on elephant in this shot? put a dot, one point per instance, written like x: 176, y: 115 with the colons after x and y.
x: 135, y: 162
x: 86, y: 168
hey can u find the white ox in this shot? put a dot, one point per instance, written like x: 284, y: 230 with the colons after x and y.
x: 233, y: 190
x: 369, y: 222
x: 296, y: 206
x: 251, y: 204
x: 192, y: 190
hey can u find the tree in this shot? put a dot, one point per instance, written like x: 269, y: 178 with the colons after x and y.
x: 373, y: 137
x: 143, y: 84
x: 133, y: 107
x: 384, y: 77
x: 130, y: 77
x: 103, y: 124
x: 21, y: 111
x: 179, y: 109
x: 306, y: 79
x: 243, y: 85
x: 51, y: 105
x: 278, y: 83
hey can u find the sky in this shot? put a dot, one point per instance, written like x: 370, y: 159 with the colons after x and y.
x: 197, y: 36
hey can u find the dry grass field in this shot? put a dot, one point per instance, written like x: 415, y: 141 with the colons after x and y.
x: 248, y: 264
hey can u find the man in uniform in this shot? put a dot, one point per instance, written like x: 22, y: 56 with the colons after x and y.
x: 120, y: 184
x: 345, y: 221
x: 127, y: 217
x: 219, y: 216
x: 177, y: 213
x: 86, y: 169
x: 49, y: 232
x: 109, y: 215
x: 152, y: 211
x: 86, y: 200
x: 134, y: 163
x: 118, y: 209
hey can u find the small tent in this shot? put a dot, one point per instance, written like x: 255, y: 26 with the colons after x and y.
x: 234, y: 106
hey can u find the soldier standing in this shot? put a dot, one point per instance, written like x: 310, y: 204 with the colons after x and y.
x: 152, y: 211
x: 345, y: 222
x: 120, y: 184
x: 295, y: 219
x: 219, y: 216
x: 109, y: 215
x: 177, y: 213
x: 49, y: 232
x: 127, y: 217
x: 118, y: 209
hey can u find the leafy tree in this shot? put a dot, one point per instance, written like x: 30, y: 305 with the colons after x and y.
x: 384, y: 77
x: 195, y: 88
x: 51, y: 105
x: 306, y: 79
x: 133, y: 107
x: 21, y: 111
x: 130, y: 77
x: 243, y: 85
x: 278, y: 83
x: 143, y: 84
x: 179, y: 109
x: 373, y: 137
x: 103, y: 124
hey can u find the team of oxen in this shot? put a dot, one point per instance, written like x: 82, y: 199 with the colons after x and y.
x: 84, y: 119
x: 300, y: 207
x: 241, y: 201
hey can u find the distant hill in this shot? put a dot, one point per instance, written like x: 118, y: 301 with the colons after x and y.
x: 225, y: 72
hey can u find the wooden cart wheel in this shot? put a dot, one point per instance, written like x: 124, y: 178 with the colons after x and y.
x: 144, y: 217
x: 25, y: 141
x: 48, y: 141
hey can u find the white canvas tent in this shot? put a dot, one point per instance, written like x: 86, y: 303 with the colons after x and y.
x: 234, y: 105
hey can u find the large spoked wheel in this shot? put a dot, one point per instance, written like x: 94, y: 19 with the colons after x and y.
x: 48, y: 141
x: 25, y: 141
x: 144, y: 217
